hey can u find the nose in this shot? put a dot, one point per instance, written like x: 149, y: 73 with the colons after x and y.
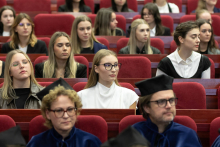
x: 116, y: 21
x: 65, y: 115
x: 64, y: 47
x: 25, y: 26
x: 168, y: 105
x: 86, y: 30
x: 198, y: 40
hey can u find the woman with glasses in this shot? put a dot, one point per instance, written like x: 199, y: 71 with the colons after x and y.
x: 20, y: 86
x: 23, y: 37
x: 102, y: 89
x: 60, y: 109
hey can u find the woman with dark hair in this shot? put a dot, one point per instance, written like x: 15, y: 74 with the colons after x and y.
x: 120, y: 6
x: 7, y: 14
x: 207, y: 42
x: 74, y: 6
x: 165, y: 7
x: 185, y: 62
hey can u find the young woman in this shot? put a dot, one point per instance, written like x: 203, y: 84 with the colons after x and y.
x: 207, y: 42
x: 208, y: 5
x: 106, y: 24
x: 165, y: 7
x: 151, y: 15
x: 61, y: 61
x: 74, y: 6
x: 102, y: 89
x: 82, y: 37
x: 120, y: 6
x: 139, y: 41
x: 60, y: 109
x: 20, y: 87
x: 23, y: 37
x: 204, y: 14
x: 7, y: 14
x: 185, y: 62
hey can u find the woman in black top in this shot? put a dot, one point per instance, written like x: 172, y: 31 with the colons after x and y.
x: 61, y: 61
x: 74, y: 6
x: 120, y: 6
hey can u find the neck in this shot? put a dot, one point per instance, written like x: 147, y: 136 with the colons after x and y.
x: 210, y: 8
x: 85, y: 44
x: 119, y: 8
x: 140, y: 45
x: 21, y: 83
x: 203, y: 46
x: 61, y: 64
x: 152, y: 25
x: 7, y: 29
x: 184, y: 54
x: 75, y: 6
x: 23, y: 40
x: 161, y: 3
x: 106, y: 83
x: 161, y: 126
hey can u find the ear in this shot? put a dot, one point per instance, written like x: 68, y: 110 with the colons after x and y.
x: 181, y: 39
x: 96, y: 69
x: 47, y: 114
x: 146, y: 109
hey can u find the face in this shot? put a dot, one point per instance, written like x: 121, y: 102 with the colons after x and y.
x: 76, y: 1
x: 120, y: 2
x: 66, y: 122
x: 7, y: 18
x: 24, y: 28
x: 142, y: 33
x: 114, y: 22
x: 84, y: 30
x: 206, y: 16
x: 211, y: 2
x: 191, y: 41
x: 20, y: 67
x: 107, y: 76
x: 62, y: 48
x: 148, y: 17
x: 205, y: 32
x: 161, y: 115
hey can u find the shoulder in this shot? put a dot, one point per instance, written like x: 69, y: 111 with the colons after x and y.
x: 40, y: 43
x: 216, y: 142
x: 216, y: 10
x: 86, y: 8
x: 81, y: 67
x: 166, y: 31
x: 62, y: 8
x: 155, y: 50
x: 99, y: 45
x: 174, y: 7
x: 214, y: 51
x: 88, y: 91
x: 119, y: 32
x: 124, y: 50
x: 139, y: 126
x: 130, y: 10
x: 206, y: 62
x: 39, y: 65
x: 39, y: 140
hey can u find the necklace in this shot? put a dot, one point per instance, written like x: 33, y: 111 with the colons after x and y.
x: 60, y: 73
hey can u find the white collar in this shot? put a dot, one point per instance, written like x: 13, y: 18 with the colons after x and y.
x: 179, y: 59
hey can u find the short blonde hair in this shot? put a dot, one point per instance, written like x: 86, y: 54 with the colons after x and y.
x: 52, y: 96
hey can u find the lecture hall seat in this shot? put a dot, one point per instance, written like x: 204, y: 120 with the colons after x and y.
x: 103, y: 41
x: 214, y: 127
x: 6, y: 123
x: 3, y: 3
x: 46, y: 40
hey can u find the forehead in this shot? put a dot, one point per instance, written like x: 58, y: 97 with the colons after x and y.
x: 143, y: 26
x: 24, y: 20
x: 7, y: 11
x: 18, y: 57
x: 113, y: 15
x: 165, y: 94
x: 84, y: 24
x: 145, y: 10
x: 109, y: 59
x: 205, y: 26
x: 205, y: 15
x: 62, y: 39
x: 193, y: 31
x: 62, y: 101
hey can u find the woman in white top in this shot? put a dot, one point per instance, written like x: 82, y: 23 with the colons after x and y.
x: 103, y: 89
x: 185, y: 62
x: 165, y: 7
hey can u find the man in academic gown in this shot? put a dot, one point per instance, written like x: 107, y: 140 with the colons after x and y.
x: 157, y: 103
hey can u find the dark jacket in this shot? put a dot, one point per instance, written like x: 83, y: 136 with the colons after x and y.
x: 80, y: 73
x: 39, y: 48
x: 126, y: 50
x: 32, y: 102
x: 98, y: 46
x: 84, y: 8
x: 215, y: 10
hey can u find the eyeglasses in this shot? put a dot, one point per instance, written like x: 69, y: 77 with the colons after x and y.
x: 22, y: 24
x: 108, y: 66
x: 163, y: 102
x: 15, y: 64
x: 60, y: 112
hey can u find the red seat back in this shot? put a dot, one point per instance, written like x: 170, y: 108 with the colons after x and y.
x: 191, y: 5
x: 92, y: 17
x: 3, y: 3
x: 103, y: 41
x: 121, y: 22
x: 6, y: 123
x: 45, y: 39
x: 214, y: 127
x: 132, y: 4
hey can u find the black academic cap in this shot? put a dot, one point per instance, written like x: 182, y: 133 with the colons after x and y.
x: 127, y: 138
x: 155, y: 84
x: 12, y: 136
x: 46, y: 90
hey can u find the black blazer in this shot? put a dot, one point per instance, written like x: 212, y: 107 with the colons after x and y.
x: 84, y: 8
x: 39, y: 47
x: 166, y: 32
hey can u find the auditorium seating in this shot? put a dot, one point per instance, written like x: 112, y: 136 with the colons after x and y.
x: 46, y: 40
x: 103, y: 41
x: 6, y: 123
x: 214, y: 129
x: 3, y: 3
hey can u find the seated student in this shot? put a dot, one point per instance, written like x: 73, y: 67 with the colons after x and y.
x: 20, y: 86
x: 7, y: 16
x: 207, y: 42
x: 61, y: 61
x: 208, y: 5
x: 120, y: 6
x: 165, y: 7
x: 106, y: 24
x: 23, y: 37
x: 185, y: 62
x: 74, y: 6
x: 60, y: 108
x: 204, y: 14
x: 139, y: 41
x: 82, y: 37
x: 102, y: 89
x: 216, y: 142
x: 157, y: 103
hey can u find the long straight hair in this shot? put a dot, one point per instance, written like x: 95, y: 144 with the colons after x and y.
x: 123, y: 9
x: 201, y: 5
x: 69, y: 4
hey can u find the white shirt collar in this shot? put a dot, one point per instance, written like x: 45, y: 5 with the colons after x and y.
x: 188, y: 60
x: 153, y: 32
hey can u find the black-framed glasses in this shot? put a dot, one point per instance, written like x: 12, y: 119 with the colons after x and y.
x: 163, y: 102
x: 60, y: 112
x: 108, y: 66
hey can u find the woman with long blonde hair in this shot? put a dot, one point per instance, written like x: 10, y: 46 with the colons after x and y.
x: 139, y: 41
x: 20, y: 86
x: 208, y: 5
x: 61, y: 61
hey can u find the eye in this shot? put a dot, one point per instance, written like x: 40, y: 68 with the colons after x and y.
x: 67, y: 44
x: 21, y: 24
x: 108, y: 65
x: 161, y: 101
x: 25, y: 61
x: 81, y: 29
x: 88, y: 28
x: 58, y: 111
x: 28, y: 24
x: 15, y: 64
x: 70, y: 109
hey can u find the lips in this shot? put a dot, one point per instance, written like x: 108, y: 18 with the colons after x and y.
x: 65, y: 54
x: 112, y: 75
x: 23, y: 71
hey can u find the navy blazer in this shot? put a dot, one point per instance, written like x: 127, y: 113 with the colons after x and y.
x: 98, y: 46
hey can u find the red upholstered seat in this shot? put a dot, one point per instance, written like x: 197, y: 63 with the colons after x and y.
x: 155, y: 42
x: 191, y: 95
x: 45, y: 84
x: 92, y: 17
x: 93, y: 124
x: 3, y: 58
x: 3, y: 3
x: 45, y: 39
x: 134, y: 67
x: 6, y: 122
x: 191, y: 5
x: 80, y: 86
x: 48, y: 24
x: 214, y: 127
x: 121, y: 22
x: 103, y: 41
x: 185, y: 18
x: 32, y: 5
x: 132, y: 119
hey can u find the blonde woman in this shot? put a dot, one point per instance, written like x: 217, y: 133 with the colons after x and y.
x: 106, y: 24
x: 20, y: 87
x: 208, y: 5
x: 61, y: 61
x: 82, y: 37
x: 23, y: 37
x: 139, y: 41
x: 102, y: 90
